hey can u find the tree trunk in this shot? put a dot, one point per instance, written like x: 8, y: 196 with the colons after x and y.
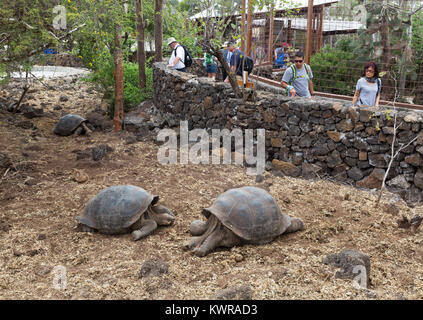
x: 232, y: 77
x: 142, y: 79
x: 118, y: 57
x: 387, y: 57
x: 158, y: 30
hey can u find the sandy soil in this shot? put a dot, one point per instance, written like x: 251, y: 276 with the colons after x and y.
x: 40, y: 198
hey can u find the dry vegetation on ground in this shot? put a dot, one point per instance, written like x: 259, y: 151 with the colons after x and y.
x: 40, y: 199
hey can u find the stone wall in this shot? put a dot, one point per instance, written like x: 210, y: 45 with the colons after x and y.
x: 64, y: 60
x: 307, y: 138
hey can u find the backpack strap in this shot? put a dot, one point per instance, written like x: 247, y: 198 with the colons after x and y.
x: 184, y: 52
x: 294, y: 74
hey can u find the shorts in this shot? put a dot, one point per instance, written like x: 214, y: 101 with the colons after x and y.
x: 211, y: 68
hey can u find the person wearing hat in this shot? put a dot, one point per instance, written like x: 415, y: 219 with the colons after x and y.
x: 176, y: 60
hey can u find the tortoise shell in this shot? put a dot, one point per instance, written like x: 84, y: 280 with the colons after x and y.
x: 249, y: 212
x: 68, y: 124
x: 114, y: 209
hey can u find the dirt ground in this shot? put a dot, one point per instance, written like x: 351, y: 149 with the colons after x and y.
x: 40, y: 198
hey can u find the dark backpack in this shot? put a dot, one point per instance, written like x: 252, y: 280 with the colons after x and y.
x: 248, y: 64
x: 187, y: 58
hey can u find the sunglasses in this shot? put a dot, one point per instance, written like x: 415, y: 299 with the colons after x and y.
x: 298, y: 61
x: 368, y: 70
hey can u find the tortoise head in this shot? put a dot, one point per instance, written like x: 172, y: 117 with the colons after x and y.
x: 161, y: 214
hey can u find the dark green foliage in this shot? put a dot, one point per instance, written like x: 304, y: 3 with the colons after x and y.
x: 336, y: 70
x: 103, y: 78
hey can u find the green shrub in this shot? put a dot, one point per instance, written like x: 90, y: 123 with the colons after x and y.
x: 103, y: 79
x: 336, y: 70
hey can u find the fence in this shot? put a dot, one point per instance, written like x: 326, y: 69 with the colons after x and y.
x: 343, y: 36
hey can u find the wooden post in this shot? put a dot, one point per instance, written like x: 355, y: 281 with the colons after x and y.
x: 309, y: 31
x: 272, y: 25
x: 250, y: 27
x: 322, y: 15
x: 142, y: 78
x: 288, y: 32
x: 313, y: 43
x: 158, y: 31
x: 118, y: 57
x: 243, y: 26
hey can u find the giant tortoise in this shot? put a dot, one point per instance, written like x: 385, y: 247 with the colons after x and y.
x: 71, y: 124
x: 238, y: 216
x: 123, y: 209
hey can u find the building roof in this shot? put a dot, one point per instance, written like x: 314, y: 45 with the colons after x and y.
x: 328, y: 25
x: 279, y: 6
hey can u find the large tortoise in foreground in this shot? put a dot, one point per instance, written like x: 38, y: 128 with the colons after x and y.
x: 238, y: 216
x: 72, y: 124
x: 123, y: 209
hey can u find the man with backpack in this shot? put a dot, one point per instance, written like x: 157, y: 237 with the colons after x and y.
x: 180, y: 58
x: 238, y: 61
x: 297, y: 78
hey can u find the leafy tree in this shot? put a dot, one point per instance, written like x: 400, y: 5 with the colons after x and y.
x: 386, y: 38
x: 26, y: 30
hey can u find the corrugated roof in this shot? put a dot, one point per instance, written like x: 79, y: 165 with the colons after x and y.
x: 279, y: 5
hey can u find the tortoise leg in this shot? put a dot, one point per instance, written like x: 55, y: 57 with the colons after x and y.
x: 77, y: 131
x: 209, y: 244
x: 198, y: 227
x: 85, y: 228
x: 88, y: 132
x: 193, y: 242
x: 220, y: 237
x: 148, y: 226
x: 296, y: 225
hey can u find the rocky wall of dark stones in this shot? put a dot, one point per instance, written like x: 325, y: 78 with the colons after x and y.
x: 64, y: 60
x: 311, y: 139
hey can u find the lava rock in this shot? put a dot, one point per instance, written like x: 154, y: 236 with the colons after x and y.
x: 153, y: 267
x: 348, y: 261
x: 99, y: 152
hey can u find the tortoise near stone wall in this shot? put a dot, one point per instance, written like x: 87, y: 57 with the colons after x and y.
x: 123, y: 209
x: 241, y: 215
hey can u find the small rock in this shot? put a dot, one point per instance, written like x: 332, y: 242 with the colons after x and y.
x: 4, y: 226
x: 391, y: 208
x: 130, y: 140
x: 99, y: 152
x: 242, y: 292
x: 238, y: 257
x: 31, y: 112
x: 80, y: 176
x: 259, y: 178
x: 83, y: 154
x: 41, y: 236
x: 42, y: 270
x: 4, y: 161
x: 63, y: 98
x: 348, y: 261
x: 153, y: 267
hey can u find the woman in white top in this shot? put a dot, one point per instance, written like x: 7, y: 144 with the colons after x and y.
x: 367, y: 92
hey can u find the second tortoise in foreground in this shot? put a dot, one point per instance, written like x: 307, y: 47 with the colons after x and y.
x: 238, y: 216
x: 124, y: 209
